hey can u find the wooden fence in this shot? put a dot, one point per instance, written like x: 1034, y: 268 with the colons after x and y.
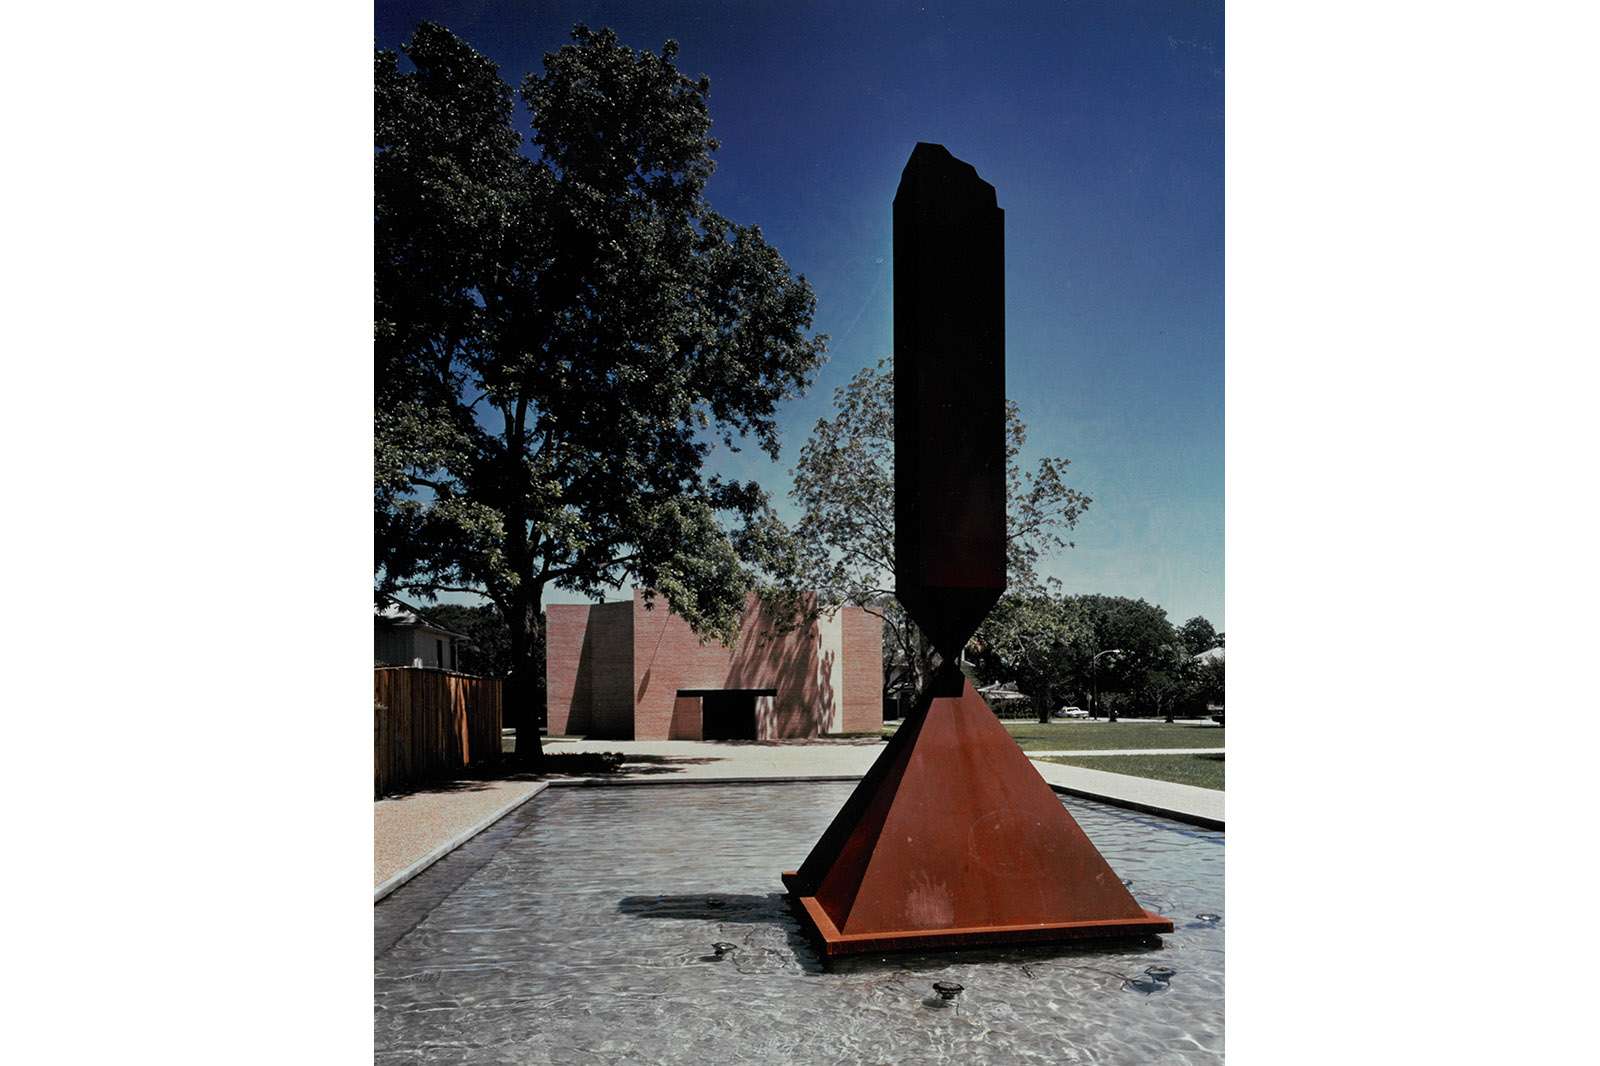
x: 430, y: 724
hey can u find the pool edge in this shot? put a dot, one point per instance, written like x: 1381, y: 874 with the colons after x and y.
x: 388, y: 887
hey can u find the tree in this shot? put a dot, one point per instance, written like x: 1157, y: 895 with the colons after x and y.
x: 1212, y: 681
x: 1198, y: 635
x: 1031, y: 638
x: 1171, y: 683
x: 844, y: 485
x: 487, y: 651
x: 562, y: 336
x: 1139, y: 631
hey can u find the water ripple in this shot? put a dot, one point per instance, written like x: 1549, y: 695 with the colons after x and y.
x: 588, y: 937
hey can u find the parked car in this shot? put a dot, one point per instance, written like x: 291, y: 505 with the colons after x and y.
x: 1072, y: 712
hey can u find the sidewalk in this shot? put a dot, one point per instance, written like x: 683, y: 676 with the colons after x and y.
x: 1187, y: 803
x: 695, y: 760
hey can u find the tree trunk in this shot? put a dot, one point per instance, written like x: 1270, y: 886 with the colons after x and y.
x: 924, y: 666
x: 1046, y: 704
x: 522, y: 685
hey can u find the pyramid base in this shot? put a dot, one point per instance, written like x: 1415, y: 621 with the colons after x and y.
x: 953, y: 839
x: 833, y: 943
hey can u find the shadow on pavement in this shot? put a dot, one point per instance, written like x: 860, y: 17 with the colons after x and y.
x: 612, y: 764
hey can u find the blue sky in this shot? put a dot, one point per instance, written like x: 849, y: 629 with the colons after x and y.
x: 1100, y: 124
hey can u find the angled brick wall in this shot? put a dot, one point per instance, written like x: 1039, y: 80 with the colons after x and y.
x: 863, y: 671
x: 610, y: 664
x: 616, y: 670
x: 567, y: 690
x: 667, y: 656
x: 588, y: 661
x: 795, y: 663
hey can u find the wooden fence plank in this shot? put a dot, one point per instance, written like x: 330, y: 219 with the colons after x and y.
x: 431, y: 723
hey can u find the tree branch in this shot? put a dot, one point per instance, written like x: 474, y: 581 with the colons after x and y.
x: 424, y: 587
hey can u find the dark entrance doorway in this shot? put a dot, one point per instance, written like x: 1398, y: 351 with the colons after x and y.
x: 728, y: 714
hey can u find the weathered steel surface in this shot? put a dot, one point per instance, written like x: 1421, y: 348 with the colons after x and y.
x: 949, y: 396
x: 953, y: 838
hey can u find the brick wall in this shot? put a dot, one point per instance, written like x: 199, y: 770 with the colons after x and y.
x: 667, y: 656
x: 587, y: 667
x: 616, y: 669
x: 567, y: 689
x: 610, y: 663
x: 863, y: 671
x: 794, y: 663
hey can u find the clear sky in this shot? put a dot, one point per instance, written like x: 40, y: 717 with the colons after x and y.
x: 1099, y: 123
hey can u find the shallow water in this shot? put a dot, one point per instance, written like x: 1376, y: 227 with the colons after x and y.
x: 580, y: 930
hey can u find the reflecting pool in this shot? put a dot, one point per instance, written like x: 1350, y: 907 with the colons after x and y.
x: 647, y: 924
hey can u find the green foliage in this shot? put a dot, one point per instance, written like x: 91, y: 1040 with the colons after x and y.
x: 1146, y: 643
x: 844, y: 485
x: 1124, y: 651
x: 1211, y: 682
x: 487, y: 651
x: 1031, y: 638
x: 563, y: 334
x: 1198, y: 635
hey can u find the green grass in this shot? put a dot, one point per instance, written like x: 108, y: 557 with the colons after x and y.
x: 1088, y: 735
x: 1065, y: 735
x: 1204, y: 771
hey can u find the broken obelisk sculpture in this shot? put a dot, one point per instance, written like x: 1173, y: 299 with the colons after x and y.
x: 952, y: 838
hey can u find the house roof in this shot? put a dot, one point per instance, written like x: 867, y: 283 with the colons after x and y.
x: 395, y: 614
x: 1210, y: 655
x: 1006, y: 691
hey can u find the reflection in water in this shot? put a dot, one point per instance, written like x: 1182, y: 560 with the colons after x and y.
x: 584, y: 939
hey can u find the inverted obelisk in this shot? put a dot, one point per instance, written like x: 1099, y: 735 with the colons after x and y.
x: 949, y: 397
x: 953, y: 838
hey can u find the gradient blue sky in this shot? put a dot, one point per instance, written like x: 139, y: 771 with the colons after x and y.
x: 1099, y: 123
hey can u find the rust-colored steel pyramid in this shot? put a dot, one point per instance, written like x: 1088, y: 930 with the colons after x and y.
x: 954, y: 839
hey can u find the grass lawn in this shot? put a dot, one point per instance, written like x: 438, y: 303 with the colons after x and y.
x: 1204, y: 771
x: 1063, y: 735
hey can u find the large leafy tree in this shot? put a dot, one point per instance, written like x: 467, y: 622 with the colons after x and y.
x: 564, y: 329
x: 1198, y: 635
x: 1033, y: 638
x: 1107, y: 650
x: 844, y: 486
x: 1212, y: 681
x: 1144, y: 641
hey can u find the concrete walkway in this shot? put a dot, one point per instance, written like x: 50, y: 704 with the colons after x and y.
x: 826, y: 758
x: 693, y: 760
x: 1187, y: 803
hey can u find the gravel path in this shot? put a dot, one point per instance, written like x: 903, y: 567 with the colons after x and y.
x: 407, y: 829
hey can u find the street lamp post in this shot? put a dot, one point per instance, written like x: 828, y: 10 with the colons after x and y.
x: 1094, y: 677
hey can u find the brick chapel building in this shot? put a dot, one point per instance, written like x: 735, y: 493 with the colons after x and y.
x: 622, y: 671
